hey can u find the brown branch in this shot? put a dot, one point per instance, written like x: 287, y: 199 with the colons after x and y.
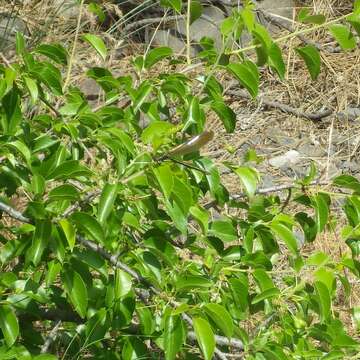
x: 281, y: 106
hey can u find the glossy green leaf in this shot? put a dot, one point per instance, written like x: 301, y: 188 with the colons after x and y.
x: 69, y: 232
x: 347, y: 182
x: 106, y: 203
x: 221, y: 318
x: 192, y: 281
x: 40, y: 241
x: 123, y: 284
x: 195, y: 10
x: 9, y: 324
x: 48, y: 74
x: 97, y: 43
x: 248, y: 75
x: 320, y: 203
x: 174, y: 336
x: 276, y: 60
x: 174, y: 4
x: 225, y: 114
x: 156, y: 55
x: 165, y: 177
x: 266, y: 294
x: 89, y: 225
x: 32, y: 88
x: 343, y: 36
x: 205, y: 337
x: 76, y: 290
x: 224, y: 230
x: 310, y: 54
x: 64, y: 192
x: 286, y: 235
x: 249, y: 179
x: 68, y: 170
x: 201, y: 216
x: 324, y: 298
x: 55, y: 52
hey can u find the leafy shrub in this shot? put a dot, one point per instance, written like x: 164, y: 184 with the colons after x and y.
x: 116, y: 244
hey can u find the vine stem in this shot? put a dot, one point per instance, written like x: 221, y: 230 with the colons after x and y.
x: 188, y: 38
x: 293, y: 34
x: 68, y: 74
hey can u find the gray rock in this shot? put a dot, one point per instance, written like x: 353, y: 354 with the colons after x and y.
x: 351, y: 113
x: 165, y: 38
x: 290, y: 158
x: 9, y: 25
x: 311, y: 151
x: 207, y: 25
x: 67, y: 8
x: 280, y: 8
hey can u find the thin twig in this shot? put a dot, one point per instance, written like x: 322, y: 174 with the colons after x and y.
x: 281, y: 106
x: 151, y: 21
x: 222, y: 341
x: 51, y: 337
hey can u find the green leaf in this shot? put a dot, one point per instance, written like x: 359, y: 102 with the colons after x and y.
x: 225, y: 114
x: 43, y: 142
x: 174, y: 4
x: 193, y: 114
x: 106, y: 203
x: 39, y: 241
x: 249, y: 178
x: 266, y: 294
x: 123, y: 284
x: 89, y: 225
x: 141, y: 94
x: 68, y: 170
x: 156, y: 55
x: 324, y: 300
x: 205, y: 337
x: 248, y: 75
x: 343, y: 36
x: 76, y: 289
x: 310, y: 54
x: 156, y: 133
x: 49, y: 75
x: 32, y: 87
x: 201, y: 216
x: 221, y: 318
x: 305, y: 18
x: 55, y: 52
x: 356, y: 316
x: 224, y: 230
x: 64, y: 192
x: 9, y: 325
x: 174, y: 336
x: 320, y: 203
x: 13, y: 116
x: 195, y: 10
x: 347, y: 182
x: 20, y: 43
x: 286, y: 235
x: 192, y: 281
x: 69, y: 232
x: 97, y: 44
x: 165, y: 177
x: 96, y: 9
x: 276, y: 60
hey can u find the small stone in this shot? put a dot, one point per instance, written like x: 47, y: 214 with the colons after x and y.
x: 290, y: 158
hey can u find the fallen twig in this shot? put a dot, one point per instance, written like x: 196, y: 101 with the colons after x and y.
x: 281, y: 106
